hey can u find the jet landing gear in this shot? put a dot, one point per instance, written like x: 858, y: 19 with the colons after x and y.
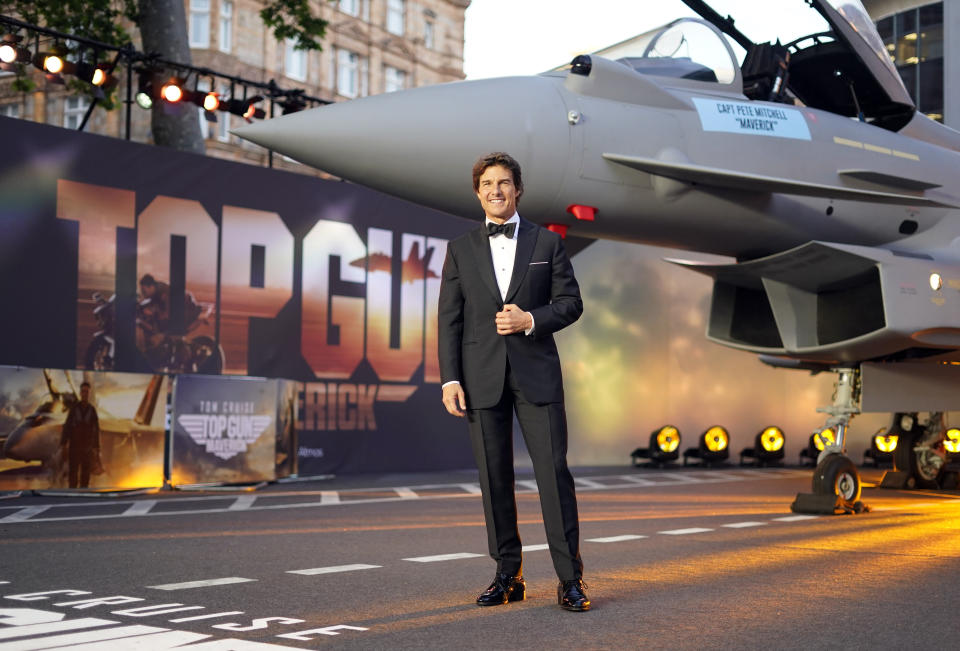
x: 920, y: 458
x: 836, y: 482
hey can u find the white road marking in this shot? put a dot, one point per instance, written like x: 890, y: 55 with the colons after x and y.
x: 442, y: 557
x: 613, y: 539
x: 684, y: 532
x: 639, y: 481
x: 334, y: 568
x: 24, y: 514
x: 582, y: 482
x: 406, y: 493
x: 535, y: 548
x: 69, y: 639
x: 141, y: 507
x: 242, y: 503
x: 52, y: 627
x: 4, y: 582
x: 201, y: 584
x: 741, y: 525
x: 210, y: 616
x: 325, y: 498
x: 796, y: 518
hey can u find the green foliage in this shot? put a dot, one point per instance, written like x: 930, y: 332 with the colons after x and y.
x: 94, y: 19
x: 292, y: 19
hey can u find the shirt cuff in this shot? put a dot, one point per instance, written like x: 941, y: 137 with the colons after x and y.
x: 533, y: 324
x: 445, y: 384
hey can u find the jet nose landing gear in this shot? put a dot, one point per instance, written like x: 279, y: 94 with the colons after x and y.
x: 836, y: 482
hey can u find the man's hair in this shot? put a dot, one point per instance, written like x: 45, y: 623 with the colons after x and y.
x: 502, y: 159
x: 84, y: 384
x: 148, y: 280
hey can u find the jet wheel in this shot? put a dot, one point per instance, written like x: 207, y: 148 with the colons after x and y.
x: 837, y: 475
x: 917, y: 463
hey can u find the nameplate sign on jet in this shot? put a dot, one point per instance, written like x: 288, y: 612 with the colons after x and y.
x: 743, y: 117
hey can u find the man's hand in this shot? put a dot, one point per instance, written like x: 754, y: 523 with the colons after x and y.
x: 454, y: 399
x: 512, y: 320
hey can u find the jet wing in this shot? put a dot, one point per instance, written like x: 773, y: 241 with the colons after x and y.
x: 733, y: 180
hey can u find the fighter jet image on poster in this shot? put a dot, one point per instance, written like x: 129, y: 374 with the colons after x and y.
x: 31, y: 456
x: 808, y: 165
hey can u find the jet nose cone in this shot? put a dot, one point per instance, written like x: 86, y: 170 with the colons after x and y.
x: 421, y: 144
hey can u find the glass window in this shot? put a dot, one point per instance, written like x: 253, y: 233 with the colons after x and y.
x: 395, y: 13
x: 10, y: 110
x: 200, y: 23
x: 295, y: 62
x: 226, y: 25
x: 930, y: 98
x: 74, y: 108
x: 907, y: 38
x: 351, y: 7
x: 394, y: 79
x: 352, y: 74
x: 931, y: 32
x: 428, y: 35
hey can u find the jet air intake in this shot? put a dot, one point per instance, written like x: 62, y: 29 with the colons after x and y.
x: 831, y: 303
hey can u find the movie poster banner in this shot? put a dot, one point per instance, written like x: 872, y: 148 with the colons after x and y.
x: 224, y: 430
x: 51, y: 438
x: 126, y: 257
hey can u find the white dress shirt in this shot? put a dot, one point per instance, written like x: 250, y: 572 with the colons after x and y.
x: 503, y: 249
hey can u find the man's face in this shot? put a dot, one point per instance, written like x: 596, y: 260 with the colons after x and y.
x: 148, y: 290
x: 85, y: 393
x: 497, y: 193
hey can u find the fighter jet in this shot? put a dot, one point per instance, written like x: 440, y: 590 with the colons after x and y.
x: 413, y: 268
x: 37, y: 437
x: 809, y: 165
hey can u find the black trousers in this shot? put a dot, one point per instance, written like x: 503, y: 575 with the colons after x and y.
x: 544, y: 429
x: 81, y: 463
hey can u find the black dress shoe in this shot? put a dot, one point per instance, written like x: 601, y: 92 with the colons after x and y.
x: 505, y: 587
x: 571, y: 595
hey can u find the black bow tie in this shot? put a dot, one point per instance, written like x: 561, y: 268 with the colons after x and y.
x: 506, y: 229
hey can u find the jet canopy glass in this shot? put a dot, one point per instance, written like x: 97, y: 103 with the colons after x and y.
x: 687, y: 48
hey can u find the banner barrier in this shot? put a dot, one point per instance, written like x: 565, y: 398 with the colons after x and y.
x: 39, y: 451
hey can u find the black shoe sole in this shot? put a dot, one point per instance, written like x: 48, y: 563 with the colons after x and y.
x: 575, y: 609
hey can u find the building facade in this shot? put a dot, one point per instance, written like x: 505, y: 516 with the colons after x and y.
x: 371, y: 46
x: 923, y: 39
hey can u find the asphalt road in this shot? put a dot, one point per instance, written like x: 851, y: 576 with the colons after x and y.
x: 679, y: 559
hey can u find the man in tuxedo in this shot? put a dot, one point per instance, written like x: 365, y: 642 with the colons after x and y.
x: 506, y: 288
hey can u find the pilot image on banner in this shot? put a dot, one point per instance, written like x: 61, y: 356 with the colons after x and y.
x: 80, y: 440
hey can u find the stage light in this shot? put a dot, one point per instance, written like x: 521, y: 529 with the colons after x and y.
x: 11, y: 53
x: 824, y: 438
x: 211, y: 101
x: 714, y: 447
x: 245, y: 108
x: 767, y: 447
x: 885, y: 442
x: 882, y: 446
x: 144, y: 97
x: 663, y: 447
x: 172, y: 90
x: 952, y: 441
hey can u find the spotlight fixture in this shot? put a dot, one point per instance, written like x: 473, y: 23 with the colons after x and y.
x: 145, y: 90
x: 211, y: 101
x: 951, y: 442
x: 11, y: 53
x: 172, y: 90
x: 664, y: 446
x: 714, y: 447
x: 882, y: 446
x: 53, y: 63
x: 824, y: 438
x: 96, y: 75
x: 767, y: 447
x: 245, y: 108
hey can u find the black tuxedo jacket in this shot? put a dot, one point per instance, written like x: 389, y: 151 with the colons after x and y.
x: 471, y: 351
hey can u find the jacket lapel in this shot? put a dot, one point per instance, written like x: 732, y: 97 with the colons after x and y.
x: 526, y: 240
x: 481, y: 251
